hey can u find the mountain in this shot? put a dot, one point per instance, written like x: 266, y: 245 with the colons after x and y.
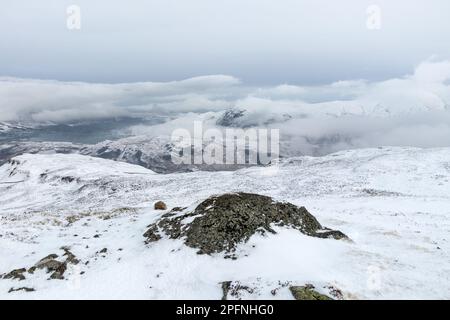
x: 89, y: 215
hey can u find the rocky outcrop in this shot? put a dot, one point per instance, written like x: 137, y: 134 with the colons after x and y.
x: 220, y: 223
x: 17, y: 274
x: 252, y: 289
x: 24, y: 289
x: 49, y: 263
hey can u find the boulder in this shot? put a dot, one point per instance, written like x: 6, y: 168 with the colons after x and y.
x: 160, y: 206
x: 220, y: 223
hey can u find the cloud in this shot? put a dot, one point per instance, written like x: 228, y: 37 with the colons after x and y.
x: 413, y: 110
x: 54, y: 101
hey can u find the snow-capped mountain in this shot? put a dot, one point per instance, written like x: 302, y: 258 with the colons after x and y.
x: 393, y: 203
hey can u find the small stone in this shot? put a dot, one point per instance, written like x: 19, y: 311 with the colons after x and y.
x: 160, y: 206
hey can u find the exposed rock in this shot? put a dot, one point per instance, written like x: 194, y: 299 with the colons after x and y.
x: 178, y: 209
x: 21, y: 289
x: 17, y: 274
x: 256, y: 288
x: 240, y: 118
x: 220, y: 223
x: 160, y: 206
x: 225, y: 288
x: 307, y: 292
x: 335, y: 292
x: 51, y: 265
x: 71, y: 258
x: 68, y: 179
x: 281, y: 285
x: 230, y: 118
x: 59, y: 272
x: 235, y: 289
x: 173, y: 212
x: 152, y: 234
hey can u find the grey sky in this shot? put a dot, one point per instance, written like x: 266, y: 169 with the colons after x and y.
x: 257, y: 41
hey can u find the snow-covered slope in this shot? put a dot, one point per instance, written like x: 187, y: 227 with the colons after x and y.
x: 8, y: 126
x: 392, y: 202
x: 149, y: 152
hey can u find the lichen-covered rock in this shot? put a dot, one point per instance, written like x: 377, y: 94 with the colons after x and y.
x: 307, y: 292
x: 220, y: 223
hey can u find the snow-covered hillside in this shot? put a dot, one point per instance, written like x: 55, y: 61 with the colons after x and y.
x: 392, y: 202
x: 8, y: 126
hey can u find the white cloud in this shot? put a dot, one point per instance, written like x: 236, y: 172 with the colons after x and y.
x: 41, y: 101
x: 412, y: 110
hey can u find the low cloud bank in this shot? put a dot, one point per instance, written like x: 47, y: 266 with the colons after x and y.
x: 413, y: 110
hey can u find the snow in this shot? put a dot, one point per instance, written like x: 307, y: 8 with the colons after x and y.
x: 392, y: 202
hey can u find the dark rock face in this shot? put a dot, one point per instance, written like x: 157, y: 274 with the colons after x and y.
x: 220, y: 223
x: 230, y: 118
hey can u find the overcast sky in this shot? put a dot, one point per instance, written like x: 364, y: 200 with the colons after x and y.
x: 257, y: 41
